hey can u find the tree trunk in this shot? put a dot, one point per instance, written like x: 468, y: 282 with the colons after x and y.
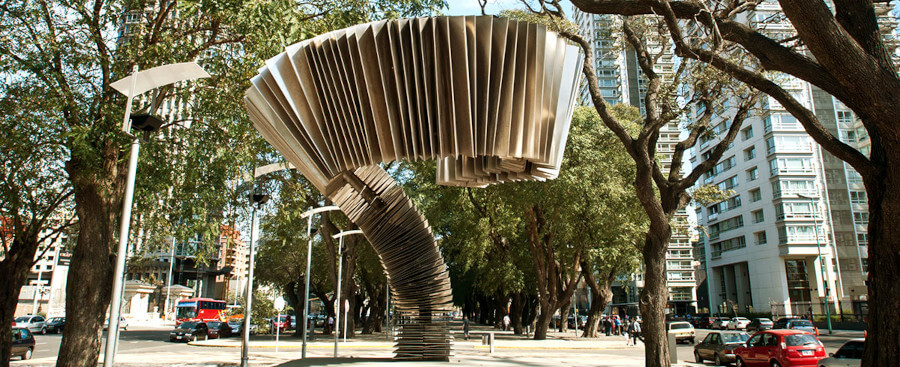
x: 530, y: 311
x: 564, y: 311
x: 14, y: 271
x: 654, y: 296
x: 884, y: 270
x: 92, y: 264
x: 376, y: 310
x: 328, y: 304
x: 296, y: 303
x: 543, y: 321
x: 601, y: 295
x: 518, y: 305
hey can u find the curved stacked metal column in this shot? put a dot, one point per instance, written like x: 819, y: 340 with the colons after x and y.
x: 490, y: 98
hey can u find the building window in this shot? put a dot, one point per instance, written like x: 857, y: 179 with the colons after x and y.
x: 755, y: 195
x: 861, y: 219
x: 747, y: 133
x: 758, y: 216
x: 865, y: 265
x: 797, y: 281
x: 752, y: 174
x: 858, y: 197
x: 862, y: 239
x: 760, y: 238
x: 750, y: 153
x: 794, y: 209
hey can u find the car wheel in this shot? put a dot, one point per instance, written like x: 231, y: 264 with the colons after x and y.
x: 697, y: 357
x: 718, y: 360
x: 43, y: 331
x: 27, y: 354
x: 740, y: 362
x: 776, y: 364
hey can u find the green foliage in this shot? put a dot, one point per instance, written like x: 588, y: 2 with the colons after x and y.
x: 591, y: 204
x: 706, y: 195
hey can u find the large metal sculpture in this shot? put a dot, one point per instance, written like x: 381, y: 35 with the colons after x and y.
x: 490, y: 98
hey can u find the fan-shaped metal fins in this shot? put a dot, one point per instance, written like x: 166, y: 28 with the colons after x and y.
x: 489, y: 98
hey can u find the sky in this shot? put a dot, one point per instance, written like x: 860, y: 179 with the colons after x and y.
x: 470, y: 7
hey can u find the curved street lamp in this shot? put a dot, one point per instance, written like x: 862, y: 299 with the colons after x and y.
x: 340, y: 256
x: 132, y: 86
x: 309, y: 216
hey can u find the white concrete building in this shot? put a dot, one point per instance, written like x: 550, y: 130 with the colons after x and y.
x: 795, y: 228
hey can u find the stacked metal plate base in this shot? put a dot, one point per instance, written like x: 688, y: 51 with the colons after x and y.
x: 404, y: 241
x: 489, y: 98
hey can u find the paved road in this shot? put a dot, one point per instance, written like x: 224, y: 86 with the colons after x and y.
x: 134, y: 340
x: 554, y: 352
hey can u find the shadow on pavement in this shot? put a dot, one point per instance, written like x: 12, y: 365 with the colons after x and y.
x: 324, y: 361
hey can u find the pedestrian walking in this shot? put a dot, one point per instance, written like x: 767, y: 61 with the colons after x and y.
x: 635, y: 332
x: 506, y: 322
x: 330, y: 325
x: 617, y: 326
x: 607, y: 326
x: 465, y: 328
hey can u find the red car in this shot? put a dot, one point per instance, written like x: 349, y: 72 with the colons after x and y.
x: 780, y: 348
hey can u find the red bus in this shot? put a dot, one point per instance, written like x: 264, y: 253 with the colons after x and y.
x: 199, y: 309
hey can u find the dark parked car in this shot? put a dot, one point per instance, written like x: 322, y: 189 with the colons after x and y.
x: 22, y: 343
x: 780, y: 347
x: 759, y: 324
x: 719, y: 346
x: 218, y: 329
x: 795, y: 323
x: 704, y: 322
x: 54, y: 325
x: 849, y: 355
x: 189, y: 331
x: 235, y: 327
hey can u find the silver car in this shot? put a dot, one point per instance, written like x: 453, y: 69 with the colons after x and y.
x: 34, y: 323
x: 850, y: 354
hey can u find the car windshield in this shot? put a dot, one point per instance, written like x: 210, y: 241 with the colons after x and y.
x: 213, y: 324
x: 802, y: 323
x: 188, y: 325
x: 735, y: 338
x: 680, y: 326
x: 800, y: 339
x: 22, y: 319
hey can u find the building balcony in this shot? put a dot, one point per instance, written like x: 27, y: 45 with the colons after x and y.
x: 782, y: 126
x: 798, y: 216
x: 792, y: 193
x: 802, y: 249
x: 793, y: 171
x: 789, y: 149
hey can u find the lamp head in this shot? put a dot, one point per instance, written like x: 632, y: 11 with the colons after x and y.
x: 259, y: 198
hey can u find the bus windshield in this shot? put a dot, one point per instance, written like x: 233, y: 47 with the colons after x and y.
x: 186, y: 310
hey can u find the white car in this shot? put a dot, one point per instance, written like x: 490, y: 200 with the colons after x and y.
x: 850, y: 354
x: 34, y: 323
x: 123, y: 323
x: 738, y: 323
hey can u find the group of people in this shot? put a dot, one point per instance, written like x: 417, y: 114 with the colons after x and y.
x: 630, y: 328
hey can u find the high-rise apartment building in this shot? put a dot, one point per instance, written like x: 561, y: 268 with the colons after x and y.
x: 794, y: 229
x: 622, y: 81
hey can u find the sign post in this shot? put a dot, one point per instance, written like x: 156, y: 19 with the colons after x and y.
x: 279, y: 306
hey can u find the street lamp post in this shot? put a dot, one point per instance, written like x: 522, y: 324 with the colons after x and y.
x: 258, y: 200
x: 309, y: 215
x: 132, y: 86
x: 815, y: 207
x: 340, y: 253
x: 169, y: 278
